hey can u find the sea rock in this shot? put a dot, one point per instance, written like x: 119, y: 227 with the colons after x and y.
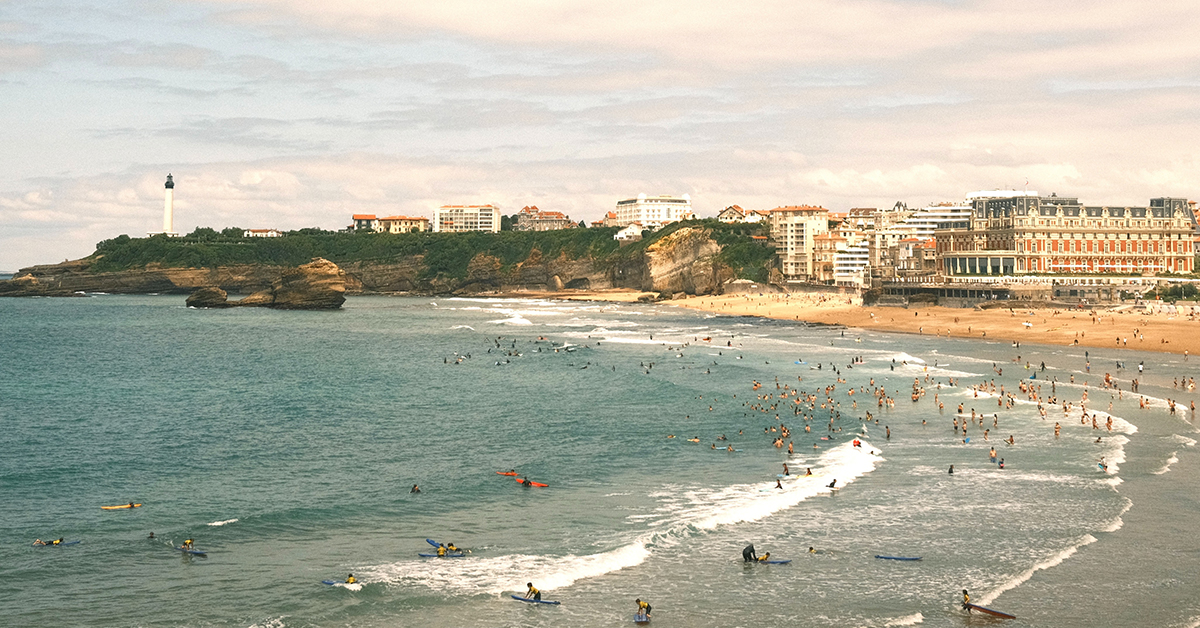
x: 317, y: 285
x: 210, y: 297
x: 683, y: 261
x: 260, y: 298
x: 22, y: 286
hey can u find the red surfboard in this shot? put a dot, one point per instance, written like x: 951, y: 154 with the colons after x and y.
x: 512, y: 473
x: 519, y: 480
x: 975, y: 607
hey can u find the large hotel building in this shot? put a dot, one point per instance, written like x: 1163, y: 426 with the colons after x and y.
x: 1021, y: 233
x: 653, y: 211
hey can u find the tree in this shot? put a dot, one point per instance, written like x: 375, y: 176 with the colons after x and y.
x: 204, y: 233
x: 232, y: 232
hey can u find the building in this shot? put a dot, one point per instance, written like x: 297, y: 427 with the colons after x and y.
x: 168, y: 210
x: 732, y: 214
x: 794, y: 228
x: 530, y: 218
x: 261, y: 233
x: 366, y: 222
x: 1021, y: 233
x: 403, y: 224
x: 654, y: 211
x: 631, y: 233
x: 461, y: 218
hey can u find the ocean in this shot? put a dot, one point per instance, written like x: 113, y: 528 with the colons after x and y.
x: 286, y: 445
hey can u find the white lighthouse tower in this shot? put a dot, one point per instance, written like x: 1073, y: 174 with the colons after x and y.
x: 168, y: 210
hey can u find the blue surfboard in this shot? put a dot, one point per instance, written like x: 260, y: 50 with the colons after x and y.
x: 898, y: 557
x: 328, y: 582
x: 194, y: 552
x: 433, y: 542
x: 448, y: 555
x: 59, y: 545
x: 531, y: 600
x: 775, y: 562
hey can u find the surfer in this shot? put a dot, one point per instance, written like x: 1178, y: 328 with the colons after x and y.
x: 951, y: 469
x: 189, y: 544
x: 812, y: 550
x: 764, y: 557
x: 785, y: 469
x: 643, y: 608
x: 350, y: 579
x: 777, y: 483
x: 832, y: 484
x: 966, y: 600
x: 748, y: 554
x: 415, y: 489
x: 151, y: 535
x: 441, y: 550
x: 532, y: 593
x: 39, y: 542
x: 131, y: 505
x: 808, y: 471
x: 453, y: 548
x: 526, y: 482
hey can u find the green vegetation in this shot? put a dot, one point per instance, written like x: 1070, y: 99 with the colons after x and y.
x: 445, y: 254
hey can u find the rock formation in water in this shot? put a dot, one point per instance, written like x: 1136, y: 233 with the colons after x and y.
x: 318, y: 285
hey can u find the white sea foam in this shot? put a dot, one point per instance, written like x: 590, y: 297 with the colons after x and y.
x: 463, y: 327
x: 355, y: 586
x: 907, y: 620
x: 1191, y: 623
x: 270, y: 622
x: 222, y: 523
x: 516, y: 319
x: 1022, y: 577
x: 1184, y: 440
x: 681, y: 513
x: 1167, y: 467
x: 1118, y: 522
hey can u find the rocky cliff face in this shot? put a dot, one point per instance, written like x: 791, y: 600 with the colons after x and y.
x: 683, y: 261
x: 318, y: 285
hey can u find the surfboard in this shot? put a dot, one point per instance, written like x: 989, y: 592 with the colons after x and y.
x: 641, y: 619
x: 775, y: 562
x: 448, y: 555
x: 59, y: 545
x: 520, y: 481
x: 512, y: 473
x: 433, y: 542
x: 898, y: 557
x: 989, y: 611
x: 193, y: 552
x: 328, y: 582
x: 532, y: 601
x: 120, y: 507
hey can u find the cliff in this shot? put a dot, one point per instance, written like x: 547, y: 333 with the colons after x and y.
x: 691, y: 258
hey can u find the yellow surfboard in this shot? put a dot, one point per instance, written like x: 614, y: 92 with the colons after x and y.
x: 119, y: 507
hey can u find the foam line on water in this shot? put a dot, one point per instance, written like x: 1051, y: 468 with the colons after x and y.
x: 222, y: 523
x: 683, y: 514
x: 1024, y: 576
x: 1118, y: 522
x: 1184, y: 440
x: 907, y: 620
x: 1167, y: 467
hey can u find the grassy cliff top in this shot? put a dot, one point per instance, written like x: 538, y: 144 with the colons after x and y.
x: 444, y: 254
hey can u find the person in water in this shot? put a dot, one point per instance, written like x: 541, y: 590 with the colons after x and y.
x: 808, y: 471
x: 350, y: 579
x: 532, y: 593
x: 151, y: 535
x: 189, y: 544
x: 39, y: 542
x: 415, y: 489
x: 832, y: 484
x: 778, y: 484
x: 58, y: 542
x: 441, y: 550
x: 812, y: 550
x: 526, y: 482
x: 748, y: 554
x: 951, y: 472
x: 966, y: 600
x: 643, y: 607
x: 764, y: 558
x: 453, y: 548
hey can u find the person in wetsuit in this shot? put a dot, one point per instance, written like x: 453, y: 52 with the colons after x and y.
x: 748, y: 554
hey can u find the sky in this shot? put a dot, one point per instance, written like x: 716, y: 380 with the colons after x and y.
x: 298, y: 113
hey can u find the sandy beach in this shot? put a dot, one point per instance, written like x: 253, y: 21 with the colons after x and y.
x: 1127, y: 327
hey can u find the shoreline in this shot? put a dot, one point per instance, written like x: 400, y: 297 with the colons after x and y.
x: 1120, y: 327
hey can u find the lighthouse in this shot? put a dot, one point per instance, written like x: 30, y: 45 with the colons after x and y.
x: 168, y: 209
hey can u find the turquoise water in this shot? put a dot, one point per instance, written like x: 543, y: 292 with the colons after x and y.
x: 285, y: 444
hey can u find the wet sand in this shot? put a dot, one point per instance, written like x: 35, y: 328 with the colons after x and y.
x: 1127, y: 327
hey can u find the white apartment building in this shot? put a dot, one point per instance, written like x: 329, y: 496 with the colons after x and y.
x: 793, y: 229
x: 460, y: 218
x: 654, y: 211
x: 261, y: 233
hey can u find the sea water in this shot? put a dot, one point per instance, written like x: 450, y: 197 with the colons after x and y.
x: 286, y: 445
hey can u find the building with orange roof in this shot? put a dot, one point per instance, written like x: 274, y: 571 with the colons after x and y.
x: 404, y: 224
x: 530, y: 218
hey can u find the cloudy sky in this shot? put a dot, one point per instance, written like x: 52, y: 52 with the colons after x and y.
x: 298, y: 113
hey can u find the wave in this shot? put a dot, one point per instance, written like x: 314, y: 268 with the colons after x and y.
x: 907, y: 620
x: 1167, y: 467
x: 683, y: 515
x: 222, y: 523
x: 1024, y: 576
x: 516, y: 319
x: 1118, y: 522
x: 1184, y: 440
x: 463, y: 327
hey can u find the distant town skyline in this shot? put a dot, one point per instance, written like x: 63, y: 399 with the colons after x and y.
x: 290, y: 114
